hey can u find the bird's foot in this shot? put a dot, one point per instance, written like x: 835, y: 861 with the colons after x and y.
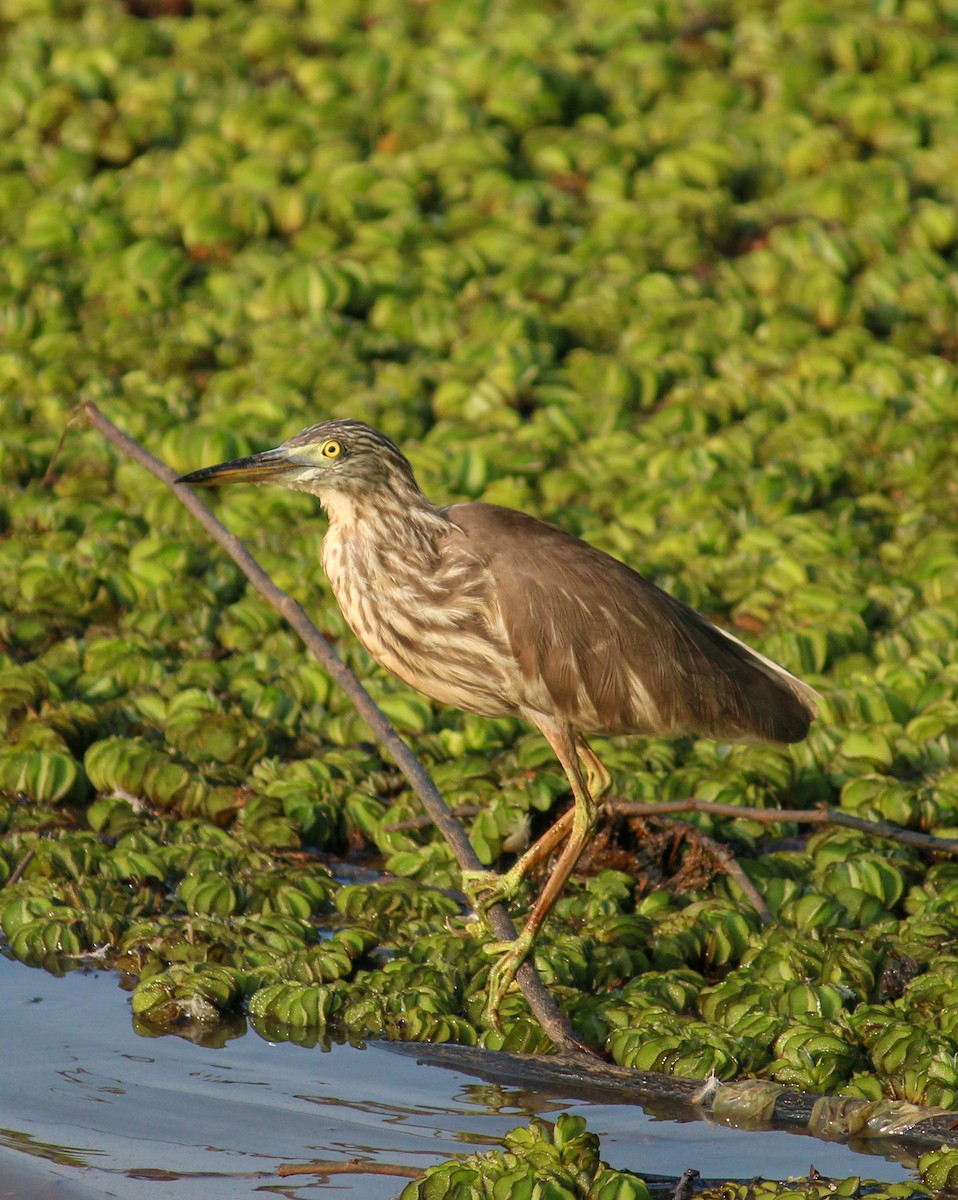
x: 483, y: 889
x: 511, y: 956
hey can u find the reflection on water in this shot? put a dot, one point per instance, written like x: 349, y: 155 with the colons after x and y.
x: 67, y: 1156
x: 89, y: 1108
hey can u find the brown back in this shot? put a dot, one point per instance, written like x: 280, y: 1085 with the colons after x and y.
x: 615, y: 653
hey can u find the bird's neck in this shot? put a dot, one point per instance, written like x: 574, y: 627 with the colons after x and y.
x: 384, y: 517
x: 371, y: 547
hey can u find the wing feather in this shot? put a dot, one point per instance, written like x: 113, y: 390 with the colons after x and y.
x: 612, y: 653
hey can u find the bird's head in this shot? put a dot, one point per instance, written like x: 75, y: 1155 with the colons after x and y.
x: 339, y: 461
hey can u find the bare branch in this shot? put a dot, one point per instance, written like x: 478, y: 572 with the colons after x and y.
x: 353, y: 1166
x: 21, y: 866
x: 767, y: 816
x: 75, y: 415
x: 797, y: 816
x: 463, y: 810
x: 727, y: 862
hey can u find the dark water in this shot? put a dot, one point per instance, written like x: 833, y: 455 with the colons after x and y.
x: 90, y: 1109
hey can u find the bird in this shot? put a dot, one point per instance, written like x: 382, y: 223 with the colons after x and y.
x: 495, y: 612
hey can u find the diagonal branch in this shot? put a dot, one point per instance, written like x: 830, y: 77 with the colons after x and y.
x: 726, y: 861
x: 538, y: 998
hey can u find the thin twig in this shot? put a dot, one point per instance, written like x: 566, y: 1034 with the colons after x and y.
x: 767, y: 816
x: 353, y: 1166
x: 798, y: 816
x: 733, y: 868
x: 726, y: 861
x: 21, y: 866
x: 72, y: 420
x: 538, y: 998
x: 463, y: 810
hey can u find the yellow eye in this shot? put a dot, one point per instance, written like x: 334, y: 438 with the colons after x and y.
x: 331, y: 450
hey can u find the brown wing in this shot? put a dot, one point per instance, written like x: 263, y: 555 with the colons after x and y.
x: 597, y: 644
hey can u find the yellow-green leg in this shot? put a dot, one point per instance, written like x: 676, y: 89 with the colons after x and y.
x: 597, y: 777
x: 485, y: 888
x: 583, y: 820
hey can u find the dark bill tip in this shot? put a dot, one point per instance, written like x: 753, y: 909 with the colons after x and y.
x: 256, y: 468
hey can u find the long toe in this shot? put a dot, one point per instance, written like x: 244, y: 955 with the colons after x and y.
x: 511, y: 956
x: 483, y: 889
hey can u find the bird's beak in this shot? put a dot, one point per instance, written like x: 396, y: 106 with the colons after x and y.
x: 256, y: 468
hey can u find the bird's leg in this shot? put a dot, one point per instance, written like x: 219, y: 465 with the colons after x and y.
x: 584, y: 815
x: 485, y: 888
x: 597, y: 777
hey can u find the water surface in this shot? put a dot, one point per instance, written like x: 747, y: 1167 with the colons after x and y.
x: 89, y: 1108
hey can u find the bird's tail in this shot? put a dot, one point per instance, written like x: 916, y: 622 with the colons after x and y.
x: 789, y: 722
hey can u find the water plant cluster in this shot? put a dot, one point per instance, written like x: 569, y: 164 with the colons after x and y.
x: 677, y: 276
x: 561, y: 1162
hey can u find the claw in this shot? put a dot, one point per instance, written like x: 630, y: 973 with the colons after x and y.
x: 483, y: 889
x: 502, y: 976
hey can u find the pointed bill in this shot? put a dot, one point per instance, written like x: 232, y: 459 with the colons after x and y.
x: 255, y: 468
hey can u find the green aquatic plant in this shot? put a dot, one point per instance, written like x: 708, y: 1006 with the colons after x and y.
x: 681, y: 285
x: 561, y: 1162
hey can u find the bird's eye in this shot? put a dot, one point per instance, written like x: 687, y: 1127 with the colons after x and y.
x: 331, y: 450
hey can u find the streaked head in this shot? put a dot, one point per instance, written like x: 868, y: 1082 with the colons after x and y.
x: 339, y: 457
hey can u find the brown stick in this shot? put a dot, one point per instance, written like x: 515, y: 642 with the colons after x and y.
x: 21, y: 866
x: 463, y: 810
x: 798, y: 816
x: 727, y: 862
x: 731, y: 866
x: 352, y: 1167
x: 767, y: 816
x: 538, y: 998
